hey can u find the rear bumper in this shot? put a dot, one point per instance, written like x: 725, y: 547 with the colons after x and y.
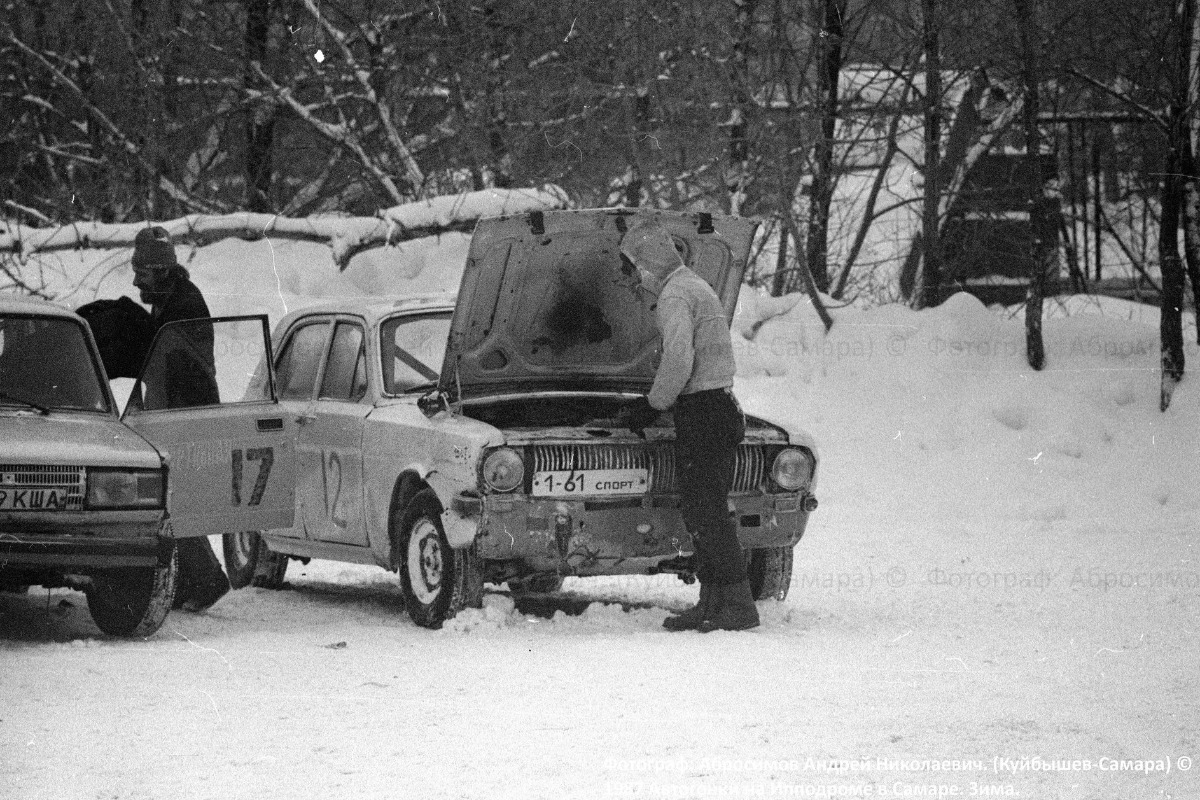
x: 620, y: 535
x: 85, y: 547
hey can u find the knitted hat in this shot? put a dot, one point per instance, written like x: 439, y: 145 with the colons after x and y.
x: 152, y: 248
x: 649, y: 246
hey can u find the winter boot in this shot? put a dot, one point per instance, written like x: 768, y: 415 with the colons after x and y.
x: 735, y: 609
x: 204, y: 596
x: 691, y: 619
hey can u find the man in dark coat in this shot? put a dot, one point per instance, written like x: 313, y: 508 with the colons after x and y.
x: 189, y: 380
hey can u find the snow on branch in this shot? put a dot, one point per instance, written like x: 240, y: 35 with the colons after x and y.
x: 345, y: 236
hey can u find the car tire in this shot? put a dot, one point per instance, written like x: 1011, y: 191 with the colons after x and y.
x: 241, y: 557
x: 132, y: 601
x: 770, y: 572
x: 270, y: 569
x: 535, y: 584
x: 438, y: 580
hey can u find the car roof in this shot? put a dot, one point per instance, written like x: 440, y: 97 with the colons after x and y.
x: 373, y: 308
x: 23, y: 304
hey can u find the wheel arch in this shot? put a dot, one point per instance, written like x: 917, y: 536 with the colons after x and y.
x: 408, y: 485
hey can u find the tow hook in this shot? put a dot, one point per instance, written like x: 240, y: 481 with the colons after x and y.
x: 562, y: 534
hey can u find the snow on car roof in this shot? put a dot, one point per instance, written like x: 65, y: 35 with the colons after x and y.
x: 24, y: 304
x: 373, y: 308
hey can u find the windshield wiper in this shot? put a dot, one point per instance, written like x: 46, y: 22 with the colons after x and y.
x: 41, y: 408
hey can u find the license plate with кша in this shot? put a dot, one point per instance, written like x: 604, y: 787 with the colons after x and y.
x: 51, y: 498
x: 590, y: 482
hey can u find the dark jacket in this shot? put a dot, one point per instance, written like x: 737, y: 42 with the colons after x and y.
x: 186, y: 373
x: 184, y: 302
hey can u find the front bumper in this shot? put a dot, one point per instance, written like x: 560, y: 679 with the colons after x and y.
x: 606, y: 536
x: 74, y: 542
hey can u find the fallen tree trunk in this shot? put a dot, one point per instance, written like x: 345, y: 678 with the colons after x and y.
x: 345, y: 236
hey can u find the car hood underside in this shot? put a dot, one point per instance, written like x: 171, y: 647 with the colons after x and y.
x: 547, y: 304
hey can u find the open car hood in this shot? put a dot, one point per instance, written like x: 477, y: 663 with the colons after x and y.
x: 544, y: 304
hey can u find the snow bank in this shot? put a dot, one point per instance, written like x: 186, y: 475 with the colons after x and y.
x: 1002, y: 566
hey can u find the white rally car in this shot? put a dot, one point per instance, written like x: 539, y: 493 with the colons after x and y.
x: 88, y: 503
x: 482, y: 440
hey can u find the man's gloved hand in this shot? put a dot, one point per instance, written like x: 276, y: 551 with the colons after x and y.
x: 639, y: 414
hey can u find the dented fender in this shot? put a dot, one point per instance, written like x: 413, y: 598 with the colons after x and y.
x: 460, y: 530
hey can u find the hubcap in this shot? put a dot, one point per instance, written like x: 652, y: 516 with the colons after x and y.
x: 425, y: 566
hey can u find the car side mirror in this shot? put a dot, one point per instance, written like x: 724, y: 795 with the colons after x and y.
x: 431, y: 403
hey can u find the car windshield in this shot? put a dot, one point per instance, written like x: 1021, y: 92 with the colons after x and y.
x: 412, y: 348
x: 46, y: 363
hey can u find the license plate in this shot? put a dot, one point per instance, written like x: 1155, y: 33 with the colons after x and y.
x: 589, y: 482
x: 42, y: 499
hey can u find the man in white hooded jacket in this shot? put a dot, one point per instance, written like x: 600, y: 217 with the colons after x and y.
x: 694, y: 380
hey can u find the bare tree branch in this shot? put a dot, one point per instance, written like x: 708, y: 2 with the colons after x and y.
x: 340, y: 135
x: 810, y: 284
x: 1144, y: 111
x: 412, y: 172
x: 177, y: 193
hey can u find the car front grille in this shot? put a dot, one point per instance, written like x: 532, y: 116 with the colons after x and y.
x: 749, y: 475
x: 34, y: 476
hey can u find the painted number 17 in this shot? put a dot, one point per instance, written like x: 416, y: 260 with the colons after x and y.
x: 265, y: 456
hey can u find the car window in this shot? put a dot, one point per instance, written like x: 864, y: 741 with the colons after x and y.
x: 345, y: 370
x: 412, y: 349
x: 47, y: 362
x: 296, y: 371
x: 205, y: 362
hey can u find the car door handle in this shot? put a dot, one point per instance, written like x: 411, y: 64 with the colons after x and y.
x: 304, y: 419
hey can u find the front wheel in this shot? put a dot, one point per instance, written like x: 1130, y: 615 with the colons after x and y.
x: 132, y: 601
x: 770, y: 572
x: 438, y: 580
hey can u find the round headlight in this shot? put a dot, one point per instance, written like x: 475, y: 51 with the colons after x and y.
x: 503, y: 470
x: 793, y: 468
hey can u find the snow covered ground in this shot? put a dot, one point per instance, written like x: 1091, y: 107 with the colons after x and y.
x: 999, y: 595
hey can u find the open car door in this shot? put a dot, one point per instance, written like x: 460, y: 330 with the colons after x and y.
x: 206, y: 396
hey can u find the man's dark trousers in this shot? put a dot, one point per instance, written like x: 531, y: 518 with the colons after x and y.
x: 708, y: 428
